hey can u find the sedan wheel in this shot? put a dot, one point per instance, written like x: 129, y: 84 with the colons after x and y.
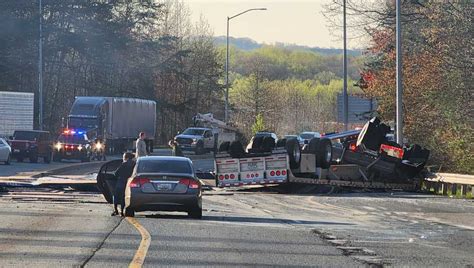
x: 195, y: 213
x: 8, y: 160
x: 129, y: 212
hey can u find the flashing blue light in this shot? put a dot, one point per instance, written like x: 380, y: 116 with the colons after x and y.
x: 80, y: 132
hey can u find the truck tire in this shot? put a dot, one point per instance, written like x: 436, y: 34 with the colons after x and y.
x: 313, y: 145
x: 34, y: 157
x: 199, y: 148
x: 294, y: 153
x: 236, y: 149
x: 324, y: 153
x: 257, y: 143
x: 281, y: 143
x: 268, y: 144
x: 224, y: 147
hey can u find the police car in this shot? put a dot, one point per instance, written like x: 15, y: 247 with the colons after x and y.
x: 72, y: 144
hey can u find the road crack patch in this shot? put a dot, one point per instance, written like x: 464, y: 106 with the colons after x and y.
x: 360, y: 254
x: 101, y: 244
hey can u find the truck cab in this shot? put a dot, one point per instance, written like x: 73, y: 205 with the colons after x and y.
x: 196, y: 139
x: 72, y: 144
x: 31, y: 144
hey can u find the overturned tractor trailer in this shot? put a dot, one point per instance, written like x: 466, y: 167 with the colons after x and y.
x: 116, y: 120
x: 357, y: 158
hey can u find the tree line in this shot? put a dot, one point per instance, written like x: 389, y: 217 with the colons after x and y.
x: 143, y: 49
x: 437, y: 42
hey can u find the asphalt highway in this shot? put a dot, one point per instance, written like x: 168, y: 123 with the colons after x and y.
x: 255, y: 227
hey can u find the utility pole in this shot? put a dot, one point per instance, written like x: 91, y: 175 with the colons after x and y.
x: 399, y: 117
x: 40, y: 67
x: 344, y: 90
x: 226, y: 116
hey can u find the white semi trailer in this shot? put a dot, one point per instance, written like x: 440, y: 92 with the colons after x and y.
x: 16, y: 112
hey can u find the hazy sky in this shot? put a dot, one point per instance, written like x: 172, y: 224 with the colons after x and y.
x: 295, y: 22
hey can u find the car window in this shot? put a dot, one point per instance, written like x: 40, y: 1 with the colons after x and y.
x: 164, y: 166
x: 307, y: 136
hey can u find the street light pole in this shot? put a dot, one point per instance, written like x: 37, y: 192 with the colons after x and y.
x: 226, y: 116
x: 40, y: 66
x: 344, y: 67
x: 399, y: 76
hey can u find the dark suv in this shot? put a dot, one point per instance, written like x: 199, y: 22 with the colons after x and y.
x: 31, y: 144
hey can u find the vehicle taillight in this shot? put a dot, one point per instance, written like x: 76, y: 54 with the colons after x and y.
x: 278, y: 173
x: 352, y: 147
x: 232, y: 176
x: 192, y: 184
x: 138, y: 182
x: 221, y: 177
x: 283, y: 172
x: 272, y: 173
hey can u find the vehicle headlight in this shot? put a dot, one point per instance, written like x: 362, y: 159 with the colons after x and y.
x: 99, y: 146
x: 80, y: 147
x: 58, y: 146
x: 195, y: 141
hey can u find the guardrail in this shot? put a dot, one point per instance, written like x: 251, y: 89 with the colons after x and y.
x: 458, y: 185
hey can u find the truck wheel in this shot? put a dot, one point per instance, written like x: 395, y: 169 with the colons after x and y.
x: 324, y: 153
x: 257, y: 143
x: 199, y: 148
x: 34, y: 158
x: 236, y: 149
x: 294, y: 152
x: 268, y: 144
x: 313, y: 147
x: 281, y: 143
x: 224, y: 147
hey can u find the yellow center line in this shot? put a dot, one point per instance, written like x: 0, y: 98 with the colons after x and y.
x: 140, y: 255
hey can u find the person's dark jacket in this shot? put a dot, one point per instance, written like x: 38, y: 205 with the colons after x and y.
x: 122, y: 174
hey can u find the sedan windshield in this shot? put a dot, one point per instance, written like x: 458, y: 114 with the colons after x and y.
x: 164, y: 166
x: 194, y: 131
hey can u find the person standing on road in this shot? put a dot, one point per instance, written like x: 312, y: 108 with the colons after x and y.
x: 176, y: 150
x: 122, y: 174
x: 141, y: 146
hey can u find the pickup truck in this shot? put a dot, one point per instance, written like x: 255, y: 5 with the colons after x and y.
x: 31, y: 144
x: 197, y: 139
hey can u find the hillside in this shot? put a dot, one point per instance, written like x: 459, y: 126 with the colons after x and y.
x: 247, y: 44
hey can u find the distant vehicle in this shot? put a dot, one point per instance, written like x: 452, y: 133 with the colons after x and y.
x: 159, y: 183
x: 5, y: 152
x: 307, y: 136
x: 262, y: 140
x: 16, y: 112
x: 196, y: 139
x: 72, y: 144
x: 298, y: 138
x: 117, y: 121
x: 31, y: 144
x: 207, y: 134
